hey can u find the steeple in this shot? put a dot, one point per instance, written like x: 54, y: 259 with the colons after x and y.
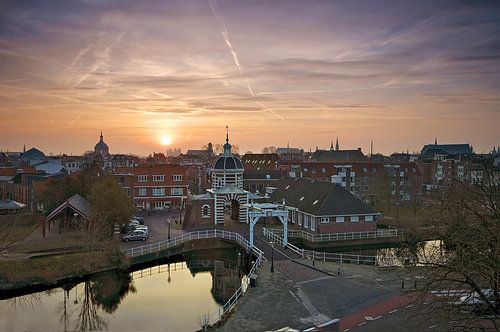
x: 337, y: 145
x: 331, y: 145
x: 435, y: 141
x: 24, y: 148
x: 227, y: 146
x: 101, y: 136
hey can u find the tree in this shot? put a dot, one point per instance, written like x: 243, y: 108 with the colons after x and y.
x: 269, y: 149
x: 110, y: 201
x: 465, y: 267
x: 59, y: 190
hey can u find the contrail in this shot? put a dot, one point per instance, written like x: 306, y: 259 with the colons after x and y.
x: 215, y: 10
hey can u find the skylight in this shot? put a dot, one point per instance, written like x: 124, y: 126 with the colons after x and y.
x: 316, y: 201
x: 301, y: 198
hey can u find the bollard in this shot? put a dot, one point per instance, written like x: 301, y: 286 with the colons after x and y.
x: 338, y: 271
x: 415, y: 284
x: 403, y: 284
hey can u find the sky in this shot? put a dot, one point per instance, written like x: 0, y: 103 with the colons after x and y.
x: 398, y: 73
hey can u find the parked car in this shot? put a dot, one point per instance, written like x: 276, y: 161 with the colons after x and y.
x: 140, y: 219
x: 477, y: 303
x: 135, y: 222
x: 142, y: 228
x: 136, y: 235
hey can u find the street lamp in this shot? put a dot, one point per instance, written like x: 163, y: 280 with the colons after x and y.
x: 168, y: 220
x: 168, y: 267
x: 272, y: 256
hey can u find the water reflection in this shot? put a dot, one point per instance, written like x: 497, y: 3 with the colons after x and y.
x: 170, y: 296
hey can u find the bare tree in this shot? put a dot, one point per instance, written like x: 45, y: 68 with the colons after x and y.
x: 461, y: 284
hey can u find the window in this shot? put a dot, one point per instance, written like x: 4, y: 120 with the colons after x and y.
x: 140, y: 205
x: 339, y: 219
x: 323, y: 170
x: 354, y: 219
x: 305, y: 169
x: 159, y: 191
x: 325, y: 220
x: 176, y: 191
x: 205, y: 211
x: 142, y: 178
x: 368, y: 218
x: 142, y: 192
x: 158, y: 178
x: 177, y: 178
x: 313, y: 223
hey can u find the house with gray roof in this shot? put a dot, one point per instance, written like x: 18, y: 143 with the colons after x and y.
x: 323, y: 207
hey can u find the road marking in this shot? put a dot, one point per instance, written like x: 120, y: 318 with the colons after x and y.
x: 377, y: 317
x: 347, y: 330
x: 361, y: 324
x: 312, y: 280
x: 432, y: 326
x: 393, y: 311
x: 409, y: 306
x: 368, y: 318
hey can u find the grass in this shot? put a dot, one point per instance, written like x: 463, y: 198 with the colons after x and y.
x: 50, y: 268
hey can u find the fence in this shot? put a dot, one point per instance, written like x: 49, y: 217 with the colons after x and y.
x: 234, y: 299
x: 392, y: 232
x: 333, y: 257
x: 173, y: 242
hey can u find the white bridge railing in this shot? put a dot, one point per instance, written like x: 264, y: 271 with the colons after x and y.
x: 235, y: 298
x: 175, y: 241
x: 392, y: 232
x: 333, y: 257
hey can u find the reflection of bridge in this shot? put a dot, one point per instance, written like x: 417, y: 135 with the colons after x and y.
x: 169, y: 267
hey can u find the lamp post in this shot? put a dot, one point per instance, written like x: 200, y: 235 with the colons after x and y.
x: 272, y: 256
x: 168, y: 267
x: 169, y: 221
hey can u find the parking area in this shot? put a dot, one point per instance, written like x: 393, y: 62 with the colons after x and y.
x: 158, y: 227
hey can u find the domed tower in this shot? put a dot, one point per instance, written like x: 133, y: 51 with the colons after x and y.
x: 228, y: 169
x: 101, y: 148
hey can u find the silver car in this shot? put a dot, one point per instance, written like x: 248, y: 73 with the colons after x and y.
x: 136, y: 235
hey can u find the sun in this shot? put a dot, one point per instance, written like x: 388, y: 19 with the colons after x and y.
x: 165, y: 140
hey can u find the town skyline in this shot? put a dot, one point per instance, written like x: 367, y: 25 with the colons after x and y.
x: 397, y: 73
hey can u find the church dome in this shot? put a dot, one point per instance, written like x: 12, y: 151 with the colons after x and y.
x: 228, y: 162
x: 101, y: 147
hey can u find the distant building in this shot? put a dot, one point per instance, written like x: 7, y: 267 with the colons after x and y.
x: 260, y: 161
x: 335, y: 155
x: 101, y: 148
x: 32, y: 157
x: 289, y: 153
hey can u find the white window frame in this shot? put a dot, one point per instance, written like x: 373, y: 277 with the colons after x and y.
x: 158, y: 191
x: 207, y: 215
x: 354, y: 218
x: 158, y: 178
x: 176, y: 191
x: 325, y: 220
x: 339, y: 219
x: 313, y: 224
x: 369, y: 218
x: 142, y: 191
x: 177, y: 177
x: 142, y: 178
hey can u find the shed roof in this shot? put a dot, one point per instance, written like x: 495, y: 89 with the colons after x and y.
x: 78, y: 204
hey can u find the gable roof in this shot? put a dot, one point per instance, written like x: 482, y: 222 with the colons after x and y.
x: 78, y: 204
x: 319, y: 198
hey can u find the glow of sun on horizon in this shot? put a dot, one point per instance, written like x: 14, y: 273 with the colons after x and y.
x: 165, y: 140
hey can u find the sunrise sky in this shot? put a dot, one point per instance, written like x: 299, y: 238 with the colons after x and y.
x: 306, y: 72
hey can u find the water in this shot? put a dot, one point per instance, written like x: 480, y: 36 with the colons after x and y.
x: 398, y: 254
x: 163, y: 297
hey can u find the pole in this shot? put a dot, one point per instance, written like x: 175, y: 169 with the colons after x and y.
x: 169, y: 228
x: 272, y: 257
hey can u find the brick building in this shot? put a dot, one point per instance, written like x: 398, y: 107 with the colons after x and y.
x: 324, y: 207
x: 155, y: 187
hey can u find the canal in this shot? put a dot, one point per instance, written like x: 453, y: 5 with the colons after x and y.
x: 168, y: 295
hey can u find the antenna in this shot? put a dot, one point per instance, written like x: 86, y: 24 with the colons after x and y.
x: 227, y: 134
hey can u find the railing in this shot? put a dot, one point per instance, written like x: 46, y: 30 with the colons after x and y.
x: 333, y: 257
x: 393, y: 232
x: 173, y: 242
x: 234, y: 299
